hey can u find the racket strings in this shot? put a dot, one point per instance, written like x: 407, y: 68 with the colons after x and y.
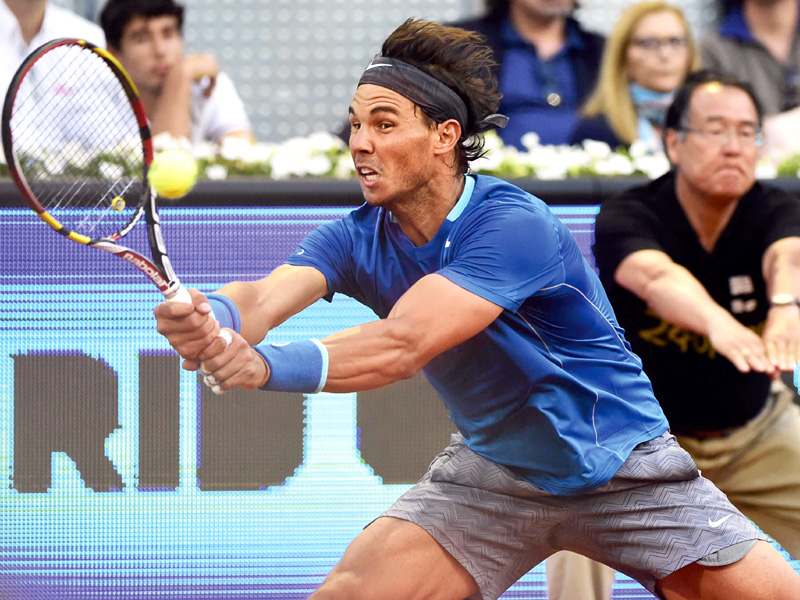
x: 77, y: 142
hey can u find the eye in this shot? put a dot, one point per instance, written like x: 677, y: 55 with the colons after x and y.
x: 747, y: 133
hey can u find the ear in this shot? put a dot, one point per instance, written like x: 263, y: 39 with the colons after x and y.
x: 671, y: 141
x: 449, y: 132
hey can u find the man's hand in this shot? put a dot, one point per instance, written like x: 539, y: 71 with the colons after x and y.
x: 201, y: 68
x: 190, y: 329
x: 782, y: 336
x: 740, y: 345
x: 238, y: 365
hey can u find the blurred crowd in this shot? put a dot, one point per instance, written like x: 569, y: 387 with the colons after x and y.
x: 559, y: 81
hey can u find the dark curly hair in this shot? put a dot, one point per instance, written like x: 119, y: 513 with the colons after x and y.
x: 116, y: 15
x: 462, y: 61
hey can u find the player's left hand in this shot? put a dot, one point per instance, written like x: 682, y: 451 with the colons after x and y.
x: 782, y: 336
x: 238, y: 365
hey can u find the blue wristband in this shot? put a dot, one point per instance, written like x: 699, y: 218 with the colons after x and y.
x: 296, y: 367
x: 225, y: 312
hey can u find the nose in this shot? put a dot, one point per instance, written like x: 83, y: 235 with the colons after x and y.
x: 731, y: 144
x: 159, y: 45
x: 360, y: 140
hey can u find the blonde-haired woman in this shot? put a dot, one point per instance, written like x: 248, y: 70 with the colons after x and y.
x: 647, y: 56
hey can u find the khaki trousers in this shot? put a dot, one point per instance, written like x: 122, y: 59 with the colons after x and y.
x: 757, y: 467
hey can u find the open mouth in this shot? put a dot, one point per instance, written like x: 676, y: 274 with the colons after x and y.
x: 367, y: 174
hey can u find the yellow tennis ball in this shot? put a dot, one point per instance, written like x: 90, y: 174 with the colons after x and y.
x: 172, y: 173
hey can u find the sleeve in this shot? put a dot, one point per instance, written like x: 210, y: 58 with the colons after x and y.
x: 225, y: 111
x: 506, y: 254
x: 624, y: 225
x: 780, y: 212
x: 327, y: 249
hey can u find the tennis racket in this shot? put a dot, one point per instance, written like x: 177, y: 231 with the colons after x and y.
x: 78, y: 146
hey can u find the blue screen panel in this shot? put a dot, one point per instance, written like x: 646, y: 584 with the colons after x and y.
x: 122, y: 477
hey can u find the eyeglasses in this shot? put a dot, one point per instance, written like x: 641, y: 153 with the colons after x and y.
x: 654, y: 44
x: 721, y: 136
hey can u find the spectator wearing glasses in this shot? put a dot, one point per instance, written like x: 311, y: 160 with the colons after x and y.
x: 757, y: 41
x: 702, y: 267
x: 647, y: 56
x: 547, y: 65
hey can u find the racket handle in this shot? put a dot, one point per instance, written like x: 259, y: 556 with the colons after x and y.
x: 180, y: 294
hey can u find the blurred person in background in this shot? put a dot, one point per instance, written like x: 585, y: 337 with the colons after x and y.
x: 186, y: 96
x: 548, y: 65
x: 702, y: 267
x: 27, y: 24
x: 647, y: 56
x: 757, y: 41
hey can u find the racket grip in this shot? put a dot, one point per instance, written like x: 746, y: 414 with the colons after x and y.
x: 180, y: 294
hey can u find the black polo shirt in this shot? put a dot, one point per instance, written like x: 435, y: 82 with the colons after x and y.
x: 698, y: 388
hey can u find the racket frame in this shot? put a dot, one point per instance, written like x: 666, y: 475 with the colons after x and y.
x: 158, y: 269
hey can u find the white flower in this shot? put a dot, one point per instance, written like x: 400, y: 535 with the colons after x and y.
x: 166, y: 141
x: 345, y: 169
x: 616, y: 164
x: 596, y: 149
x: 530, y: 140
x: 766, y: 169
x: 54, y: 164
x: 318, y: 165
x: 652, y: 165
x: 325, y: 141
x: 235, y: 148
x: 284, y: 165
x: 216, y: 172
x: 489, y: 162
x: 111, y: 171
x: 261, y: 153
x: 639, y: 148
x: 204, y: 151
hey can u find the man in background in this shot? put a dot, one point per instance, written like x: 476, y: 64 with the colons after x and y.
x: 757, y: 42
x: 548, y: 65
x: 27, y: 24
x: 184, y: 95
x: 702, y: 267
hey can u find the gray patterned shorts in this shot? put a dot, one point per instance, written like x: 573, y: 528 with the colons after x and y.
x: 655, y: 516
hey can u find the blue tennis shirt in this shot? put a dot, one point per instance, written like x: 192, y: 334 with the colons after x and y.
x: 551, y: 388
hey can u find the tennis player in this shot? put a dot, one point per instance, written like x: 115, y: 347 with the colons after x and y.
x: 562, y: 444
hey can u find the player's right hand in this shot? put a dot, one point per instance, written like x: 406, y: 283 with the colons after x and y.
x: 190, y: 329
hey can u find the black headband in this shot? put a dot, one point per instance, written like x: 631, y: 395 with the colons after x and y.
x: 431, y: 95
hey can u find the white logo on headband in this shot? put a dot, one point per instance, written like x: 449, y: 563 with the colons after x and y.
x: 373, y: 66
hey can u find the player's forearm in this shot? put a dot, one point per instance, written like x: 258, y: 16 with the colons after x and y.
x: 372, y: 355
x: 265, y: 304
